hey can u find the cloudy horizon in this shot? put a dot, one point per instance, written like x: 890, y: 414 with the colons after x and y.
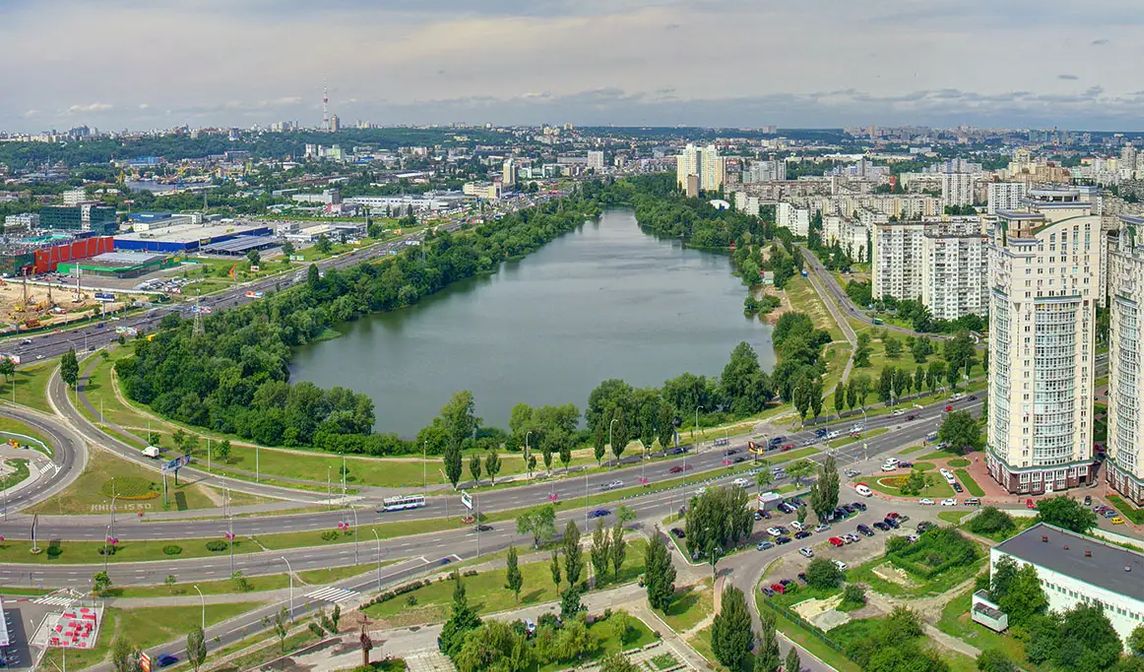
x: 723, y: 63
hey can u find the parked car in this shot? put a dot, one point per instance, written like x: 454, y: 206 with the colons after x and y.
x: 924, y: 526
x: 892, y: 523
x: 764, y: 545
x: 1088, y: 500
x: 802, y: 534
x: 859, y: 505
x: 768, y: 592
x: 678, y: 532
x: 836, y: 542
x: 865, y: 530
x: 782, y: 540
x: 806, y: 552
x: 778, y: 588
x: 881, y: 525
x: 972, y: 501
x: 840, y: 565
x: 802, y: 576
x: 1116, y: 520
x: 821, y: 527
x: 774, y: 531
x: 797, y: 525
x: 1029, y: 504
x: 925, y: 501
x: 949, y: 501
x: 758, y: 515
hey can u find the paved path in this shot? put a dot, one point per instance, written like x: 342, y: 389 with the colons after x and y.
x: 827, y: 299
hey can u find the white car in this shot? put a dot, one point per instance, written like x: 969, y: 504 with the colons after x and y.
x: 856, y: 428
x: 832, y: 435
x: 774, y: 531
x: 945, y: 472
x: 949, y: 501
x: 740, y: 482
x: 840, y: 565
x: 821, y: 527
x: 925, y: 501
x: 898, y: 412
x: 806, y: 552
x: 612, y: 486
x: 797, y: 525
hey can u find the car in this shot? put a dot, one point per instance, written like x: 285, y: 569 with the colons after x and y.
x: 786, y: 508
x: 898, y: 412
x: 820, y: 432
x: 39, y: 356
x: 778, y: 588
x: 957, y: 487
x: 840, y: 565
x: 973, y: 397
x: 764, y: 545
x: 865, y: 530
x: 758, y: 515
x: 782, y: 529
x: 1116, y: 520
x: 739, y: 459
x: 893, y: 514
x: 925, y: 525
x: 166, y: 660
x: 612, y: 485
x: 678, y: 533
x: 678, y: 469
x: 858, y: 505
x: 599, y: 513
x: 852, y: 473
x: 797, y: 525
x: 802, y: 534
x: 700, y: 491
x: 806, y: 552
x: 821, y: 527
x: 832, y: 435
x: 740, y: 482
x: 730, y: 451
x: 850, y: 510
x: 925, y: 501
x: 1088, y: 500
x: 1110, y: 513
x: 782, y: 540
x: 767, y: 591
x: 853, y: 538
x: 802, y: 576
x: 1029, y: 504
x: 836, y: 542
x: 774, y: 531
x: 484, y: 528
x: 972, y: 501
x: 892, y: 523
x: 881, y: 525
x: 912, y: 538
x: 786, y: 582
x: 857, y: 428
x: 863, y: 490
x: 911, y: 416
x: 444, y: 561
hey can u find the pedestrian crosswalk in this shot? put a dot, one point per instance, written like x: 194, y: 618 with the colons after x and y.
x: 333, y: 594
x: 56, y: 600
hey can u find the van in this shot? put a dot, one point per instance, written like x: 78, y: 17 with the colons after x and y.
x: 972, y: 501
x: 890, y: 464
x: 863, y: 489
x: 151, y: 452
x: 932, y: 436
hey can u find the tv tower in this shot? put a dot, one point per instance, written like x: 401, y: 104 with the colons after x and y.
x: 325, y: 109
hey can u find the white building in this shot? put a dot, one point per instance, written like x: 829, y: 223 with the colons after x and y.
x: 795, y: 220
x: 484, y: 190
x: 327, y: 197
x: 744, y: 202
x: 1042, y: 322
x: 75, y: 196
x: 510, y: 173
x: 956, y: 189
x: 765, y: 171
x: 955, y: 265
x: 1074, y: 568
x: 24, y: 220
x: 596, y: 161
x: 1125, y: 463
x: 1004, y: 196
x: 703, y: 162
x: 896, y: 260
x: 852, y: 236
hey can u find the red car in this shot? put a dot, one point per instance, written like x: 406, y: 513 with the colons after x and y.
x: 787, y: 446
x: 778, y: 588
x: 1029, y: 504
x: 948, y: 409
x: 836, y: 541
x: 893, y: 514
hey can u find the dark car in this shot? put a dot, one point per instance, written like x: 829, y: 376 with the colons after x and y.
x: 782, y: 540
x: 905, y: 465
x: 848, y: 509
x: 802, y: 534
x: 484, y: 528
x: 767, y: 591
x: 859, y: 505
x: 881, y: 525
x: 796, y: 501
x: 599, y: 513
x: 730, y: 451
x: 1088, y: 500
x: 758, y: 515
x: 776, y: 441
x: 925, y: 525
x: 802, y: 576
x: 911, y: 416
x: 892, y: 523
x: 973, y: 397
x: 785, y: 582
x: 820, y: 433
x: 957, y: 488
x: 678, y: 533
x: 166, y: 660
x: 865, y: 530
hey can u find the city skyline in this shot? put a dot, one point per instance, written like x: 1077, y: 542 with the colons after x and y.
x: 713, y: 63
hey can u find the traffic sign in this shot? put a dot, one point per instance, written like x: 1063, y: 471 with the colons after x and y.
x: 467, y: 500
x: 144, y: 662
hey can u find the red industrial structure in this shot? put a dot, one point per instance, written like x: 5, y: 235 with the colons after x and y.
x: 48, y: 258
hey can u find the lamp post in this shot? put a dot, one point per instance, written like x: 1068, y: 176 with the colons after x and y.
x: 697, y: 409
x: 425, y: 465
x: 354, y: 511
x: 526, y: 435
x: 610, y: 424
x: 290, y: 573
x: 378, y: 540
x: 203, y: 604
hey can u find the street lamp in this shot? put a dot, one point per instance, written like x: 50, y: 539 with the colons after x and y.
x: 697, y: 409
x: 290, y: 573
x: 614, y: 420
x: 526, y: 435
x: 425, y: 465
x: 203, y: 604
x: 354, y: 511
x: 378, y: 540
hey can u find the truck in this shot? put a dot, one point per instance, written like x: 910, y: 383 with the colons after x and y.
x: 151, y: 452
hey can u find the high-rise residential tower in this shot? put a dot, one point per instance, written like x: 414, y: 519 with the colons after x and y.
x: 1043, y: 263
x: 1125, y: 464
x: 703, y: 162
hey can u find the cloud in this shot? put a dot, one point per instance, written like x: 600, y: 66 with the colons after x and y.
x: 90, y: 107
x: 1098, y: 43
x: 1070, y: 77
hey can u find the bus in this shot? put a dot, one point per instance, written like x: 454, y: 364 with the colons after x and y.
x: 402, y: 502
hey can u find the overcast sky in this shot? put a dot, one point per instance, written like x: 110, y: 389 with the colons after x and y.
x: 160, y: 63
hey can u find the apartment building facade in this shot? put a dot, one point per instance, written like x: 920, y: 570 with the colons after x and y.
x: 1124, y: 466
x: 955, y: 264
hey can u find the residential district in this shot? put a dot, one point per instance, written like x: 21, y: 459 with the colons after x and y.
x: 944, y: 470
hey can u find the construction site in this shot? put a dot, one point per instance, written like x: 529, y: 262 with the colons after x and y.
x: 25, y: 305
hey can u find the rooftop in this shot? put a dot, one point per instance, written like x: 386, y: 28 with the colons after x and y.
x: 1095, y: 562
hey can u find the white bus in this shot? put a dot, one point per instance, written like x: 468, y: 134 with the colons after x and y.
x: 402, y: 502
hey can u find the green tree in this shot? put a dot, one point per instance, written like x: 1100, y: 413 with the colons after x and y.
x: 459, y: 418
x: 1017, y: 591
x: 452, y: 461
x: 619, y: 547
x: 554, y: 568
x: 1136, y: 641
x: 492, y: 466
x: 599, y: 443
x: 196, y: 648
x: 824, y: 492
x: 573, y: 555
x: 100, y: 583
x: 69, y: 368
x: 886, y: 385
x: 617, y: 662
x: 991, y: 520
x: 839, y: 398
x: 462, y: 620
x: 7, y: 368
x: 793, y: 664
x: 280, y: 624
x: 570, y: 603
x: 822, y: 573
x: 323, y: 244
x: 124, y: 656
x: 288, y: 249
x: 540, y: 522
x: 799, y: 470
x: 994, y: 660
x: 1088, y: 642
x: 960, y: 432
x: 731, y: 635
x: 1066, y: 512
x: 495, y: 645
x: 769, y: 657
x: 916, y: 482
x: 475, y: 466
x: 514, y: 580
x: 659, y: 575
x: 601, y: 552
x: 223, y: 450
x: 892, y: 346
x: 619, y: 434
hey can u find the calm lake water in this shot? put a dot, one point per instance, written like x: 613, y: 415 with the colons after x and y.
x: 605, y: 301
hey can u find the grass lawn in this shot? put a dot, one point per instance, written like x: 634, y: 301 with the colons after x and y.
x: 91, y: 491
x: 690, y: 606
x: 912, y: 449
x: 313, y: 577
x: 834, y: 355
x: 31, y: 383
x: 958, y: 462
x: 9, y: 426
x: 917, y: 587
x: 607, y: 643
x: 804, y: 298
x: 925, y: 466
x: 1127, y: 510
x: 804, y: 638
x: 701, y: 642
x: 147, y: 628
x: 487, y: 594
x: 20, y: 472
x: 955, y: 621
x: 952, y: 517
x: 939, y: 488
x: 970, y: 485
x: 938, y: 455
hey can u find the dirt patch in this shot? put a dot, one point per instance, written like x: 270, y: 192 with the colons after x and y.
x: 784, y: 307
x: 890, y: 573
x: 813, y: 608
x: 41, y: 306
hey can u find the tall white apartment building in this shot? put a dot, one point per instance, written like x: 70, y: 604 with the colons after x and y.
x: 1042, y: 322
x: 955, y: 264
x: 1125, y: 464
x: 956, y: 189
x: 1004, y: 196
x: 74, y: 197
x: 896, y: 260
x: 747, y: 203
x: 769, y: 170
x: 596, y: 160
x: 510, y: 173
x: 703, y: 162
x: 795, y: 220
x: 852, y: 236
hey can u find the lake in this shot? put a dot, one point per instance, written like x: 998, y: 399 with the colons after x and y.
x: 604, y: 301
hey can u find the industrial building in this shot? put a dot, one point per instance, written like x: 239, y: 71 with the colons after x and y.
x: 185, y: 238
x: 119, y: 264
x: 43, y: 253
x: 99, y: 219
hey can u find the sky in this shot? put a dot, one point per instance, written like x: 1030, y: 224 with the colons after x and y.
x: 143, y: 64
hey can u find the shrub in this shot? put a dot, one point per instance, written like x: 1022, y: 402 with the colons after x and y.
x: 821, y: 573
x: 217, y: 546
x: 991, y: 520
x: 172, y: 549
x: 329, y: 535
x: 853, y: 593
x: 936, y: 551
x: 54, y: 551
